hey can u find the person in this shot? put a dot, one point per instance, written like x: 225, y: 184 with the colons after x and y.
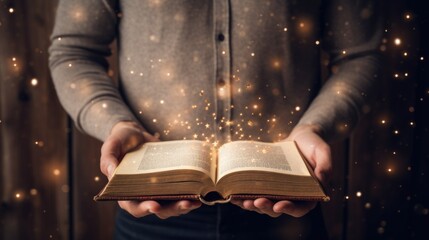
x: 218, y: 71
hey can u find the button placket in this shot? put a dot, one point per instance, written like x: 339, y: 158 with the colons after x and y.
x: 223, y: 61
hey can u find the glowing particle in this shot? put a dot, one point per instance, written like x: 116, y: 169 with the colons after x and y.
x: 161, y: 101
x: 397, y: 41
x: 18, y: 195
x: 33, y: 192
x: 358, y: 194
x: 255, y: 106
x: 11, y: 10
x: 65, y: 188
x: 406, y: 74
x: 411, y: 123
x: 70, y: 65
x: 396, y: 75
x: 317, y: 42
x: 104, y: 105
x: 223, y: 52
x: 407, y: 16
x: 96, y: 178
x: 396, y: 132
x: 346, y: 197
x: 252, y: 54
x: 383, y: 121
x: 389, y: 170
x: 56, y: 172
x: 285, y: 29
x: 344, y: 52
x: 34, y: 82
x: 297, y: 108
x: 422, y: 58
x: 14, y: 59
x: 405, y: 54
x: 152, y: 38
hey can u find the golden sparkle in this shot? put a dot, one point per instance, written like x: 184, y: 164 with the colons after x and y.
x: 33, y: 192
x: 397, y: 41
x: 11, y: 10
x: 34, y: 82
x: 56, y: 172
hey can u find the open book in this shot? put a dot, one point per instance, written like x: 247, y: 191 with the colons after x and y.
x: 191, y: 169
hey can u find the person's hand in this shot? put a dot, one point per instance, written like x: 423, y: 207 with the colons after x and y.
x: 125, y: 137
x: 318, y: 154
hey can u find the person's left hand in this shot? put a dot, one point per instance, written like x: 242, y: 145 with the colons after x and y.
x: 318, y: 154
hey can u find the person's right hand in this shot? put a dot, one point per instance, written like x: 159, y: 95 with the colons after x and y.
x: 125, y: 137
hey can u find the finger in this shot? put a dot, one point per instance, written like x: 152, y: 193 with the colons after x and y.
x: 266, y: 206
x: 250, y: 206
x: 140, y: 209
x: 108, y: 158
x: 151, y: 138
x: 237, y: 202
x: 177, y: 208
x: 323, y: 167
x: 295, y: 209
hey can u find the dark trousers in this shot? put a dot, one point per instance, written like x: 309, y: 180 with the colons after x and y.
x: 221, y: 222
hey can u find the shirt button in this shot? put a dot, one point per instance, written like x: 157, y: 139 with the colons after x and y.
x: 220, y: 37
x: 221, y: 83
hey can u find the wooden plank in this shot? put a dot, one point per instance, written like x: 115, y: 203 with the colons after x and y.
x: 91, y: 220
x: 333, y: 211
x: 33, y: 158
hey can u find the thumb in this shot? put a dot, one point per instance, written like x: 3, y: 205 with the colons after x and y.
x: 109, y: 158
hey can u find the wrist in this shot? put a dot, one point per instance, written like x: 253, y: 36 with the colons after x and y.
x: 131, y: 125
x: 302, y: 128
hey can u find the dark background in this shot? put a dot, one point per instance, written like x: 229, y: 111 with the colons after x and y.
x: 49, y: 172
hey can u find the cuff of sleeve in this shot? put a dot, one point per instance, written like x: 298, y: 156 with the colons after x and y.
x: 99, y: 118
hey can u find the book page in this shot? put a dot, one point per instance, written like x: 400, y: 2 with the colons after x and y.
x: 170, y: 155
x: 281, y: 157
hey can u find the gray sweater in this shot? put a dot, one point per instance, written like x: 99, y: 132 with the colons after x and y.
x: 216, y: 70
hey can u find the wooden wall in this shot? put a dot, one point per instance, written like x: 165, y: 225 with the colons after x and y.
x: 49, y: 172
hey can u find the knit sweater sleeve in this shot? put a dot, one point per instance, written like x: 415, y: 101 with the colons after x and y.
x: 81, y: 41
x: 352, y: 34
